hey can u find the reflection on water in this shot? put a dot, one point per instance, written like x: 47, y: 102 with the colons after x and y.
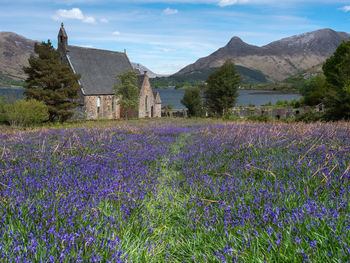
x: 245, y: 97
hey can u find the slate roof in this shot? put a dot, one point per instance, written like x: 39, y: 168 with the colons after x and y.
x: 98, y: 68
x: 140, y: 80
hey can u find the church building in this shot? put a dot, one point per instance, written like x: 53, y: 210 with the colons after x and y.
x: 99, y: 70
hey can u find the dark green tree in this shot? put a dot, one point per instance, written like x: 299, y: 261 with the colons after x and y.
x: 128, y: 91
x: 314, y: 90
x: 221, y: 93
x: 337, y: 72
x: 51, y: 81
x: 192, y: 101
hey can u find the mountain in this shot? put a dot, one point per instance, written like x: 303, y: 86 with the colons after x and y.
x: 143, y: 68
x: 14, y: 53
x: 277, y: 60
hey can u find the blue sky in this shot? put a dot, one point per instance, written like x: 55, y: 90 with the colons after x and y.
x: 168, y: 35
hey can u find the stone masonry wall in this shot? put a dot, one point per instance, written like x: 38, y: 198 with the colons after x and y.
x: 158, y: 110
x: 106, y: 111
x: 146, y: 91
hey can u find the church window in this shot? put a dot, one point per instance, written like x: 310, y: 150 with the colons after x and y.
x: 146, y: 103
x: 98, y: 104
x: 112, y: 104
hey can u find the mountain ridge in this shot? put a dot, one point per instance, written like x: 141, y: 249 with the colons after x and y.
x: 278, y: 59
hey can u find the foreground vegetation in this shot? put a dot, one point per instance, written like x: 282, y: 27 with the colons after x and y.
x: 176, y: 191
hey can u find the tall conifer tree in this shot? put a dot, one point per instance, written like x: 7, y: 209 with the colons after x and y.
x: 51, y: 81
x: 337, y: 72
x: 221, y: 93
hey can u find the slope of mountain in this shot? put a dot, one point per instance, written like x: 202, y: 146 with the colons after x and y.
x: 198, y: 77
x: 143, y: 68
x: 14, y: 53
x: 277, y: 60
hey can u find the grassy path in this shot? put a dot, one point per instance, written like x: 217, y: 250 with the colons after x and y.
x: 169, y: 238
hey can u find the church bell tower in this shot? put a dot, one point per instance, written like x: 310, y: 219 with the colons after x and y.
x: 62, y: 40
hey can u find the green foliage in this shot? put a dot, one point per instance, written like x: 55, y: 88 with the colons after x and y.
x: 192, y: 101
x: 127, y: 91
x: 26, y: 113
x: 310, y: 116
x: 169, y: 106
x: 337, y: 72
x: 52, y: 82
x: 221, y: 92
x: 260, y: 118
x: 314, y: 90
x: 2, y: 110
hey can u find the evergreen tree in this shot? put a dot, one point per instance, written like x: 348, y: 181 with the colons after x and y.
x: 51, y: 81
x: 221, y: 93
x: 192, y: 101
x: 337, y: 72
x: 128, y: 91
x: 314, y: 90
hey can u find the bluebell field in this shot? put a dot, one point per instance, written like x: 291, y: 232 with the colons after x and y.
x: 176, y: 191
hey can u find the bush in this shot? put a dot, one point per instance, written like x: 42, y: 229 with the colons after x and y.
x: 260, y: 118
x: 192, y: 101
x: 310, y: 117
x: 2, y: 111
x: 25, y: 113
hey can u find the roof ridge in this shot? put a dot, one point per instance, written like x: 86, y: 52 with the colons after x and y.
x: 120, y: 52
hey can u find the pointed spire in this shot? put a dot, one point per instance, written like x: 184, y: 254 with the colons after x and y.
x: 62, y: 39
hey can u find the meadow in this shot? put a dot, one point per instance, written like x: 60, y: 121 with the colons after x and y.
x: 176, y: 191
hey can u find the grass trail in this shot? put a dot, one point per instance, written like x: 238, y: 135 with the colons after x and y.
x: 169, y: 239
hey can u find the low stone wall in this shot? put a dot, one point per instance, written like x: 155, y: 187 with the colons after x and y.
x: 278, y: 113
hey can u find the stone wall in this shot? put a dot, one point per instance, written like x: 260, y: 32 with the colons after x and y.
x: 278, y: 113
x: 158, y: 110
x: 146, y: 91
x: 109, y: 109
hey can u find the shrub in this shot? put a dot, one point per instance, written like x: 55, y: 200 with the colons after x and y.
x: 2, y: 110
x: 25, y: 113
x: 310, y: 117
x: 260, y: 118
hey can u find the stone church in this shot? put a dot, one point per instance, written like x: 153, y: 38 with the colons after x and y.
x: 99, y: 70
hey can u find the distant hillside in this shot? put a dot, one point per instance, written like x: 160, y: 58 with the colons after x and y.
x: 143, y: 68
x: 14, y: 53
x: 277, y: 60
x: 295, y: 82
x: 198, y: 77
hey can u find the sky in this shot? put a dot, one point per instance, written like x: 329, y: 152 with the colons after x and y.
x: 165, y: 36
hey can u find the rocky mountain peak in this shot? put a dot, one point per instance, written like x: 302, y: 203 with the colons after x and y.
x: 279, y: 59
x: 235, y: 41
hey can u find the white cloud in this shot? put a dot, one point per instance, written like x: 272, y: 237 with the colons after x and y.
x: 74, y: 13
x: 169, y: 11
x: 223, y: 3
x: 345, y: 8
x: 89, y: 20
x: 104, y: 20
x: 116, y: 33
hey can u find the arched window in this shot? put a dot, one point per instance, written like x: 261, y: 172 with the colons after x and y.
x: 113, y: 104
x: 98, y: 104
x: 146, y: 103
